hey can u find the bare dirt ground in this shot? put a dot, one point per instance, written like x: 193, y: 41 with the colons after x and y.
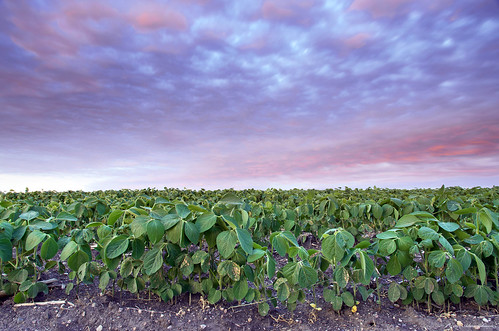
x: 90, y: 310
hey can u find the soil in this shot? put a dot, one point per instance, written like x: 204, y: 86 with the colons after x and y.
x: 89, y: 309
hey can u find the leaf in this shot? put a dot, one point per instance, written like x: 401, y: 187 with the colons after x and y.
x: 104, y: 279
x: 192, y: 232
x: 229, y: 268
x: 427, y: 233
x: 280, y: 245
x: 155, y: 230
x: 481, y: 269
x: 206, y: 221
x: 485, y: 220
x: 390, y: 234
x: 34, y: 238
x: 454, y: 271
x: 68, y: 250
x: 65, y: 216
x: 230, y: 199
x: 337, y: 302
x: 117, y: 246
x: 176, y: 233
x: 393, y: 266
x: 29, y: 215
x: 393, y: 292
x: 214, y: 296
x: 263, y: 308
x: 226, y: 242
x: 347, y: 298
x: 126, y: 267
x: 448, y: 226
x: 406, y: 221
x: 437, y: 258
x: 469, y: 210
x: 139, y: 226
x: 438, y: 297
x: 245, y: 239
x: 182, y: 210
x: 5, y: 250
x: 341, y: 276
x: 49, y: 249
x: 307, y: 276
x: 367, y: 266
x: 446, y: 245
x: 256, y: 255
x: 77, y: 259
x: 114, y: 216
x: 153, y: 261
x: 240, y: 289
x: 481, y: 296
x: 387, y: 247
x: 270, y: 266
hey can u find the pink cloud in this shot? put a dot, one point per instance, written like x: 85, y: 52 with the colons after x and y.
x: 391, y: 8
x: 154, y: 17
x: 287, y: 10
x: 357, y: 41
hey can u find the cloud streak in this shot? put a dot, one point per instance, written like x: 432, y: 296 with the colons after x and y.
x: 249, y: 94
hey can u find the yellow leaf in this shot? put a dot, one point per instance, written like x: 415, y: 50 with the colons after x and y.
x: 354, y: 309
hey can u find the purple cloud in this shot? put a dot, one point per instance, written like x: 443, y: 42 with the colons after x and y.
x: 248, y: 94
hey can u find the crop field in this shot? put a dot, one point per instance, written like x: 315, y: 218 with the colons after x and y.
x: 432, y: 249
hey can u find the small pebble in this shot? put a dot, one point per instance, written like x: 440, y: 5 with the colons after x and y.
x: 485, y: 320
x: 94, y: 305
x: 99, y: 328
x: 459, y: 323
x: 202, y: 326
x: 249, y: 319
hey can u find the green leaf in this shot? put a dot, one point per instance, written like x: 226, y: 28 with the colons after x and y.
x: 114, y: 216
x: 347, y: 298
x: 390, y: 234
x: 126, y: 267
x: 229, y: 268
x: 37, y: 288
x: 77, y: 259
x: 393, y: 292
x: 214, y: 296
x: 263, y: 308
x: 153, y: 261
x: 387, y: 247
x: 481, y: 269
x: 170, y: 220
x: 448, y: 226
x: 192, y: 232
x: 454, y: 270
x: 155, y: 230
x: 245, y: 239
x: 206, y: 221
x: 226, y: 242
x: 139, y: 226
x: 29, y: 215
x: 270, y: 266
x: 256, y: 255
x: 49, y: 249
x: 5, y: 250
x: 104, y: 279
x: 437, y: 259
x: 481, y: 296
x: 427, y: 233
x: 367, y: 266
x: 331, y: 250
x: 65, y: 216
x: 117, y: 246
x: 337, y: 302
x: 307, y: 276
x: 406, y: 221
x: 182, y: 210
x: 68, y: 250
x: 34, y: 238
x: 393, y: 266
x: 446, y: 245
x: 486, y: 220
x: 341, y: 276
x: 240, y: 289
x: 470, y: 210
x: 438, y: 297
x: 176, y: 233
x: 280, y: 245
x: 230, y: 199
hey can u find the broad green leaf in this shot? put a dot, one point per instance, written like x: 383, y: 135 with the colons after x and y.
x: 283, y: 292
x: 256, y: 255
x: 427, y: 233
x: 155, y: 230
x: 393, y: 266
x: 192, y: 232
x: 406, y: 221
x: 240, y: 289
x: 263, y: 308
x: 176, y: 233
x: 170, y: 221
x: 446, y: 245
x: 307, y: 276
x: 68, y: 250
x: 347, y: 298
x: 230, y: 199
x: 214, y: 296
x: 6, y: 230
x: 437, y: 259
x: 454, y: 270
x: 226, y: 242
x: 77, y: 259
x: 206, y: 221
x: 114, y: 216
x: 182, y: 210
x: 367, y: 266
x: 126, y: 267
x: 280, y: 244
x: 481, y: 269
x: 104, y: 279
x: 229, y: 268
x: 65, y: 216
x: 270, y: 266
x: 470, y: 210
x: 390, y: 234
x: 337, y: 302
x: 448, y: 226
x: 5, y: 250
x: 245, y: 239
x: 117, y: 246
x: 438, y: 297
x: 34, y: 238
x: 387, y: 247
x: 139, y: 226
x: 29, y: 215
x: 485, y: 220
x: 393, y: 292
x: 49, y: 249
x: 42, y: 225
x: 341, y: 276
x: 481, y: 296
x: 153, y: 261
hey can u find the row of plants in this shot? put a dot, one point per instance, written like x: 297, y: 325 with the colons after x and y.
x: 436, y: 246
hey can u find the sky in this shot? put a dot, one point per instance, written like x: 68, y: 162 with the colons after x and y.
x: 214, y: 94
